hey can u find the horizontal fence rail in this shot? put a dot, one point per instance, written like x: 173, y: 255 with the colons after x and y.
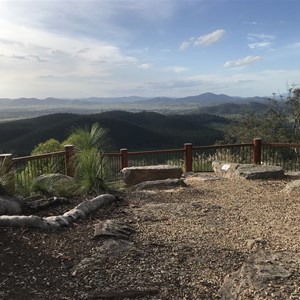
x: 190, y: 158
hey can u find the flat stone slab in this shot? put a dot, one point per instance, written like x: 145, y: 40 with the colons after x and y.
x: 159, y: 184
x: 247, y: 171
x: 135, y: 175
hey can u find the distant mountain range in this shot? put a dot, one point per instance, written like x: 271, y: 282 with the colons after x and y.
x: 206, y: 99
x: 66, y: 102
x: 22, y: 108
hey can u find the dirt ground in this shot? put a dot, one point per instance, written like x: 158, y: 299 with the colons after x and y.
x: 186, y: 241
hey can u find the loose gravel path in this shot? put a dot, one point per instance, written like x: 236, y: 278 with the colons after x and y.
x: 187, y: 240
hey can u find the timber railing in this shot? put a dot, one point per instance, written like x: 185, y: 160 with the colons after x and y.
x: 190, y: 158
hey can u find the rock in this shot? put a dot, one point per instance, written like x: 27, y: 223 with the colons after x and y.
x: 114, y: 249
x: 255, y: 244
x: 292, y: 186
x: 202, y: 176
x: 112, y: 229
x: 134, y: 175
x: 159, y: 184
x: 263, y: 274
x: 247, y: 171
x: 54, y: 185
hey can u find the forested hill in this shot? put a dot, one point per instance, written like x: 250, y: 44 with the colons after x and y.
x: 135, y: 131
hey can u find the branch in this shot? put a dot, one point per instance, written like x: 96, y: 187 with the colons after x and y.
x: 56, y: 222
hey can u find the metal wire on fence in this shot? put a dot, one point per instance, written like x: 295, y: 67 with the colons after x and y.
x: 160, y: 157
x: 285, y: 155
x: 113, y: 166
x: 203, y: 156
x: 29, y: 167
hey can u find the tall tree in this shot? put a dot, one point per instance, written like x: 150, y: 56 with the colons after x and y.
x: 294, y: 104
x: 271, y: 126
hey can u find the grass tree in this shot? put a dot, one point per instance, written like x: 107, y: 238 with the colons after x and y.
x: 89, y: 162
x: 6, y: 176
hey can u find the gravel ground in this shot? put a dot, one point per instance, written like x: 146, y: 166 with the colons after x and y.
x: 186, y: 241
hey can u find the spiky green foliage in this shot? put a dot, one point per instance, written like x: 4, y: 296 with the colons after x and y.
x: 6, y: 176
x: 90, y: 171
x: 89, y: 163
x: 84, y: 138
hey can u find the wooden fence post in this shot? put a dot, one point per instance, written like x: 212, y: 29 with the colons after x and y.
x: 188, y: 157
x: 124, y: 158
x: 6, y: 165
x: 257, y: 151
x: 69, y: 166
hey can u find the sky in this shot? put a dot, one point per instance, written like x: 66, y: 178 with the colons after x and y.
x: 170, y: 48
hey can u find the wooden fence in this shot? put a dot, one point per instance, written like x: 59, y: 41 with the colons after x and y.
x: 190, y: 158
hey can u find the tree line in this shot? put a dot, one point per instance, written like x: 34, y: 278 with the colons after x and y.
x: 135, y: 131
x: 279, y: 124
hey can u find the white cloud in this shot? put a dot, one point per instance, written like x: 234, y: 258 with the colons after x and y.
x: 250, y: 23
x: 58, y: 52
x: 245, y: 84
x: 210, y: 38
x: 259, y: 45
x: 172, y: 84
x: 260, y: 41
x: 178, y: 70
x: 249, y: 60
x: 98, y: 19
x: 145, y: 66
x: 184, y: 46
x: 294, y: 45
x: 260, y: 37
x: 175, y: 69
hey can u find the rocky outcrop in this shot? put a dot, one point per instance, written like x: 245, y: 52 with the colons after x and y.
x: 265, y: 275
x: 247, y: 171
x: 135, y: 175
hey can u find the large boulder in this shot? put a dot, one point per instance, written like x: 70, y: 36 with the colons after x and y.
x: 134, y: 175
x: 247, y: 171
